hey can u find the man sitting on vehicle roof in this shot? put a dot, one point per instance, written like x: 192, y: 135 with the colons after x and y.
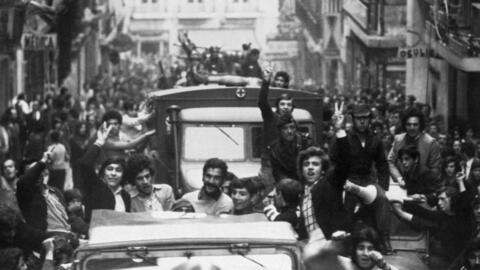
x: 139, y: 172
x: 210, y: 199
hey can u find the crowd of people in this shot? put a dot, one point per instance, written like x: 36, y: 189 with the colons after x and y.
x: 64, y: 157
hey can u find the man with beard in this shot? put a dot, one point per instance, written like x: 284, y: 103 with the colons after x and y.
x: 430, y: 156
x: 139, y: 173
x: 210, y: 199
x: 284, y: 150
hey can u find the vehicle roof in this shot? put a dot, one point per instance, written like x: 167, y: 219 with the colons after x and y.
x: 110, y: 228
x: 167, y: 92
x: 234, y: 114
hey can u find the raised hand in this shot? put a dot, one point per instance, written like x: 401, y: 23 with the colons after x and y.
x: 267, y: 72
x: 102, y: 134
x: 338, y: 118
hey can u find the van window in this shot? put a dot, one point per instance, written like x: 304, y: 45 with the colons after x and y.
x: 222, y: 141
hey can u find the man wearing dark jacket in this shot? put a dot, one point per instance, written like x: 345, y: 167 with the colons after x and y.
x: 285, y: 149
x: 103, y: 191
x: 283, y: 105
x: 43, y: 206
x: 365, y: 150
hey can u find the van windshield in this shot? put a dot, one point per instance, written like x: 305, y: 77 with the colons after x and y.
x: 222, y: 141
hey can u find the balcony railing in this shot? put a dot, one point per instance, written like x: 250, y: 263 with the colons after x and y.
x: 378, y: 17
x: 456, y: 24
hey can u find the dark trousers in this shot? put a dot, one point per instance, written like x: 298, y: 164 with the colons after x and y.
x: 377, y: 213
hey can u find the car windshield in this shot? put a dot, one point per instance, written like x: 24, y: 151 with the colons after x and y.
x: 269, y: 258
x: 222, y: 141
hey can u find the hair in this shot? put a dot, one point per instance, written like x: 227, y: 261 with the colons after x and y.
x: 213, y: 163
x: 409, y: 150
x: 72, y: 194
x: 312, y: 151
x: 364, y: 233
x: 291, y: 191
x: 283, y: 97
x: 135, y: 164
x: 10, y: 257
x: 128, y: 105
x: 414, y: 113
x: 248, y: 183
x: 112, y: 115
x: 112, y: 160
x: 182, y: 204
x: 55, y: 136
x: 472, y: 246
x: 450, y: 159
x: 285, y: 76
x: 15, y: 163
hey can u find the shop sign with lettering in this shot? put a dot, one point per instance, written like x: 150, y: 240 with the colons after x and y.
x: 39, y: 42
x: 415, y: 52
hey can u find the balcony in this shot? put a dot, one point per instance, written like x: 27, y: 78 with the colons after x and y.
x: 241, y: 9
x: 150, y: 10
x: 378, y: 23
x: 195, y: 9
x: 455, y: 26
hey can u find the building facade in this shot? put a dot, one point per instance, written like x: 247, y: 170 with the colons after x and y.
x: 321, y: 42
x: 449, y: 78
x: 374, y: 31
x: 154, y: 24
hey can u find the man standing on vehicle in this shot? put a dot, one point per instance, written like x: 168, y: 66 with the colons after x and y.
x: 210, y: 199
x: 284, y: 105
x: 365, y: 150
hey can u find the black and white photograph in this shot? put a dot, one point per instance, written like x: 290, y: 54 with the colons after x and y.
x: 239, y: 134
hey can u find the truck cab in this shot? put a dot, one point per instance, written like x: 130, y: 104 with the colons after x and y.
x: 194, y: 124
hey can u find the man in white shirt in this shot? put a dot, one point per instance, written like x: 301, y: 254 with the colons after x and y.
x: 210, y: 199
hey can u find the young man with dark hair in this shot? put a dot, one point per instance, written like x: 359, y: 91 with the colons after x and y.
x: 288, y: 196
x: 245, y: 194
x: 421, y: 184
x: 139, y: 173
x: 105, y: 189
x: 414, y: 124
x: 284, y: 150
x: 210, y: 199
x: 284, y: 104
x: 281, y: 79
x: 117, y: 142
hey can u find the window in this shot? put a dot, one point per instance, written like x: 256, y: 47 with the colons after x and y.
x: 204, y: 142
